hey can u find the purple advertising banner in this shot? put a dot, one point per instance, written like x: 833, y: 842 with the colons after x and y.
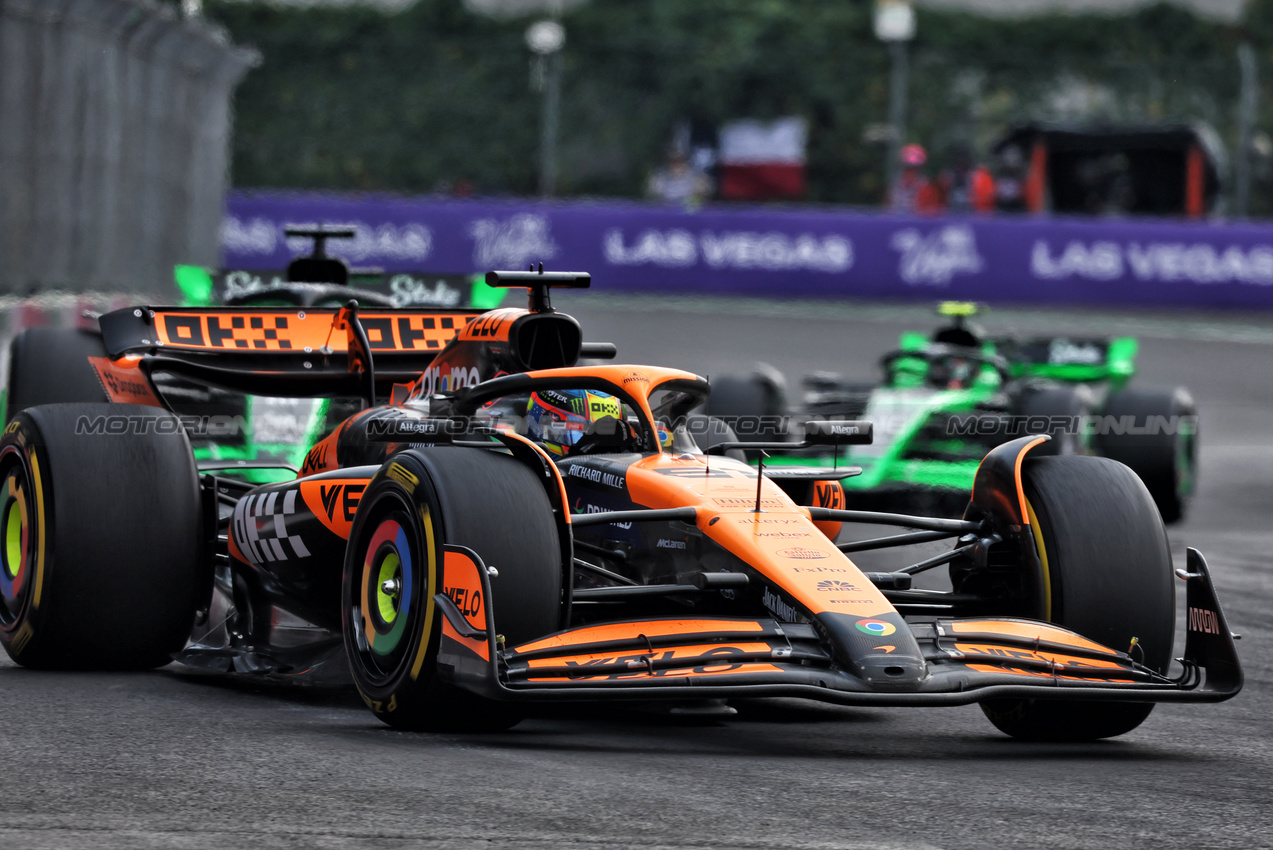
x: 631, y: 247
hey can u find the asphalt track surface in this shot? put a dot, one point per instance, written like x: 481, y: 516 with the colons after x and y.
x: 165, y: 759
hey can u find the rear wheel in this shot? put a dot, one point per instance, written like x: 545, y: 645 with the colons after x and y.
x: 753, y: 405
x: 394, y: 566
x: 1156, y: 434
x: 102, y: 563
x: 50, y: 366
x: 1104, y: 572
x: 709, y: 431
x: 1059, y: 412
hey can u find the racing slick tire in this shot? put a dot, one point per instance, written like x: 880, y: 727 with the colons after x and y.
x: 1161, y: 446
x: 50, y: 366
x: 1063, y: 412
x: 1105, y: 572
x: 102, y: 564
x: 419, y: 501
x: 753, y: 405
x: 709, y: 431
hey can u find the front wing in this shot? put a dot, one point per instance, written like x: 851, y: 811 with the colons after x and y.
x: 689, y: 658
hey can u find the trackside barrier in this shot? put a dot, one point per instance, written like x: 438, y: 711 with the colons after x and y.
x: 115, y: 120
x: 783, y: 253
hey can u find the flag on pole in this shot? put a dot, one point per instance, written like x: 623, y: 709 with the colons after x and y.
x: 762, y: 160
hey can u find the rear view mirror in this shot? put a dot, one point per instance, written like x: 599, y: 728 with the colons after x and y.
x: 838, y: 432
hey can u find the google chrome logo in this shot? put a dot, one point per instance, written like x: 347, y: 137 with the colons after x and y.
x: 876, y: 628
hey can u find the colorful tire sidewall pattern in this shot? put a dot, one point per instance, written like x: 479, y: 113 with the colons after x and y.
x: 24, y: 535
x: 393, y: 569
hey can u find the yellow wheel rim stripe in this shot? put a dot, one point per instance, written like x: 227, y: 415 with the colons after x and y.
x: 1046, y: 575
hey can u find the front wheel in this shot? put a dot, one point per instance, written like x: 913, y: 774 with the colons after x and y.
x: 1105, y: 572
x: 417, y: 503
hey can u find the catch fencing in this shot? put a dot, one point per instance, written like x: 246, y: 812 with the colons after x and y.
x: 115, y: 120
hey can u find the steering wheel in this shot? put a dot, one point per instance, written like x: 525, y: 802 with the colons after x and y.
x: 949, y: 366
x: 607, y: 435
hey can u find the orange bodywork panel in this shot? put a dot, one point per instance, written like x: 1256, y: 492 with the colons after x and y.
x: 301, y: 330
x: 692, y: 651
x: 780, y: 540
x: 124, y: 381
x: 829, y: 494
x: 1026, y: 630
x: 1058, y: 659
x: 492, y: 326
x: 322, y: 455
x: 334, y: 501
x: 722, y: 668
x: 621, y: 631
x: 463, y: 586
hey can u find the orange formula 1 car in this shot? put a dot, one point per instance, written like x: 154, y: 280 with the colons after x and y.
x: 500, y: 525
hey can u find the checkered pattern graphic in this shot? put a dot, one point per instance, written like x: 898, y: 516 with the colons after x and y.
x: 260, y: 527
x: 259, y: 336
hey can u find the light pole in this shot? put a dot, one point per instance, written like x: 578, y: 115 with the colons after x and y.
x: 1248, y: 108
x: 895, y: 26
x: 545, y: 39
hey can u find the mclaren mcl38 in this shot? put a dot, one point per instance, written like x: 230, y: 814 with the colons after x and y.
x: 503, y: 524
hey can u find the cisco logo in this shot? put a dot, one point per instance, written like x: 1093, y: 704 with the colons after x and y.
x: 802, y: 553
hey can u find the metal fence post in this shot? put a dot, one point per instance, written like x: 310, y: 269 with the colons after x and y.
x: 114, y: 143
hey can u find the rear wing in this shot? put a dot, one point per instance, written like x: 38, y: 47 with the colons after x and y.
x: 278, y: 351
x: 277, y: 330
x: 316, y: 279
x: 415, y: 289
x: 1071, y: 358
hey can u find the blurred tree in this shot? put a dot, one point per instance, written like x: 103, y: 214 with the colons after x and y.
x: 1257, y: 28
x: 434, y: 97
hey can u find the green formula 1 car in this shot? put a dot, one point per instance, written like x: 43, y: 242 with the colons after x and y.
x: 946, y: 398
x: 48, y: 365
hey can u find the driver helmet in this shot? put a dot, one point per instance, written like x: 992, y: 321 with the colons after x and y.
x: 960, y: 331
x: 953, y: 373
x: 559, y: 418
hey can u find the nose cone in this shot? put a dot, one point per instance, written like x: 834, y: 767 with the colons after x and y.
x: 892, y: 672
x: 880, y: 650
